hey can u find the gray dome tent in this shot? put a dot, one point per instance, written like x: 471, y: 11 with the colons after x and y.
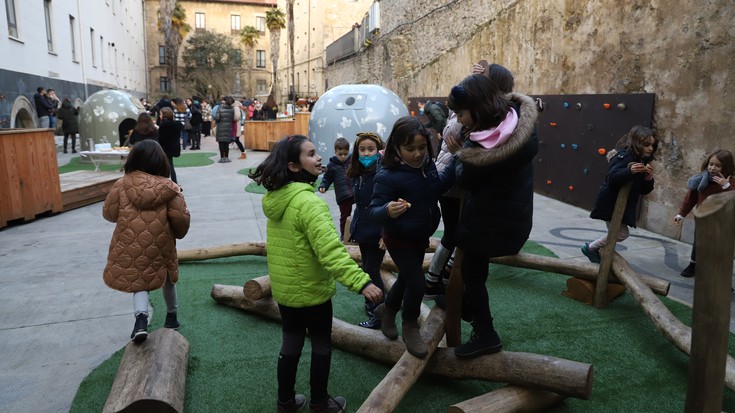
x: 105, y: 114
x: 345, y: 110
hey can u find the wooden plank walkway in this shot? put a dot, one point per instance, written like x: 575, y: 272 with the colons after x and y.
x: 80, y: 188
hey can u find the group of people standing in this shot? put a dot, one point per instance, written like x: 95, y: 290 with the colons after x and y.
x: 49, y: 109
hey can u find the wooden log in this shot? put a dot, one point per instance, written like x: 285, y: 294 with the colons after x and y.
x: 715, y: 221
x: 672, y: 329
x: 386, y: 396
x: 585, y: 270
x: 524, y: 369
x: 151, y: 376
x: 231, y: 250
x: 600, y: 299
x: 509, y: 399
x: 257, y: 288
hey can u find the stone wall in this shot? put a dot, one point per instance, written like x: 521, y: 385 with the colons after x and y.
x: 683, y: 52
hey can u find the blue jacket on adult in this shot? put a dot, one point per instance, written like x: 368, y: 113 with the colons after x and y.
x: 497, y: 214
x: 363, y: 229
x: 337, y: 174
x: 421, y: 187
x: 43, y: 106
x: 618, y: 175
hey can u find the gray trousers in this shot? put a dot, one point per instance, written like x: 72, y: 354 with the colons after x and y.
x: 140, y: 299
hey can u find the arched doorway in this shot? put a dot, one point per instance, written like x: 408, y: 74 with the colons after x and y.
x: 23, y: 114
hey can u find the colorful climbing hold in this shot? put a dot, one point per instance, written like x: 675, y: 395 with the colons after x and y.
x: 548, y: 182
x: 606, y: 105
x: 601, y: 151
x: 552, y: 123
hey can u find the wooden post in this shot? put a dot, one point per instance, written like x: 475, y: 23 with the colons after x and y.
x: 151, y: 376
x: 715, y: 222
x: 509, y: 399
x: 453, y: 324
x: 600, y: 299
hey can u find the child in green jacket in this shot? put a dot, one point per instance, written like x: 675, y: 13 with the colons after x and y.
x: 305, y: 257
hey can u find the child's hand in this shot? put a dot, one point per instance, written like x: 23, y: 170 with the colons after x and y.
x: 637, y: 168
x: 381, y: 244
x: 677, y: 219
x: 722, y: 181
x: 397, y: 208
x: 372, y: 293
x: 322, y: 190
x: 649, y: 172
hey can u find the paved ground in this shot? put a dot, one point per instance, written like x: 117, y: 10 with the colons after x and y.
x: 60, y: 321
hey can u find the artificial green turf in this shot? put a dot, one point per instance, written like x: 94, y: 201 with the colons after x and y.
x: 186, y: 160
x: 233, y: 354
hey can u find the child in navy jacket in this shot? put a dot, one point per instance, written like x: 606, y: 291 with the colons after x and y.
x: 337, y: 174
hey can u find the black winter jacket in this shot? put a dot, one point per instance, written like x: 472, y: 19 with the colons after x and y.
x: 618, y: 175
x: 497, y: 214
x: 337, y: 174
x: 363, y: 229
x: 168, y: 136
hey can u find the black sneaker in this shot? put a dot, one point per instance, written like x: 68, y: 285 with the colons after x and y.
x: 333, y: 405
x: 295, y: 405
x: 370, y: 309
x: 479, y: 345
x: 433, y: 288
x: 592, y: 255
x: 140, y: 331
x: 373, y: 323
x: 171, y: 321
x: 688, y: 272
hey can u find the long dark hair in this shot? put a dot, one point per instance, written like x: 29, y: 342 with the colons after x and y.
x: 145, y: 125
x: 402, y: 134
x: 273, y: 172
x: 148, y: 156
x: 502, y: 77
x: 356, y: 168
x: 486, y: 103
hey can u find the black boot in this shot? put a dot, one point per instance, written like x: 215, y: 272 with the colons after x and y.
x: 479, y: 344
x: 688, y: 272
x: 171, y: 321
x: 140, y: 331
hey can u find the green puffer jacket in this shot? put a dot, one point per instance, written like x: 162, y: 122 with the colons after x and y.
x: 305, y: 255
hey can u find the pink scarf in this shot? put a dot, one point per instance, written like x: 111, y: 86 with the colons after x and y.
x: 498, y: 135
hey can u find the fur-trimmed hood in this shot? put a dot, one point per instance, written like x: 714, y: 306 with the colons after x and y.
x: 478, y: 156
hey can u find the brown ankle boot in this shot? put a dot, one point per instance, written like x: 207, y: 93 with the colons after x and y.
x: 387, y: 321
x: 412, y: 338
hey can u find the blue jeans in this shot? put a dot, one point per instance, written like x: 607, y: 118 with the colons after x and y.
x: 184, y: 138
x: 52, y: 122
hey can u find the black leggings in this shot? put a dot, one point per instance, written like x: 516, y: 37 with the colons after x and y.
x: 317, y: 320
x: 474, y: 275
x: 410, y: 283
x: 224, y: 149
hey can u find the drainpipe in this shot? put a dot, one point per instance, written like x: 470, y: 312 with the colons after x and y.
x: 81, y: 52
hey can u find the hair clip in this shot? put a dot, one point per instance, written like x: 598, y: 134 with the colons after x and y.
x: 370, y: 135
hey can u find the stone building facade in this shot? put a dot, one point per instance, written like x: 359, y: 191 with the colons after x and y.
x: 682, y: 52
x: 220, y: 16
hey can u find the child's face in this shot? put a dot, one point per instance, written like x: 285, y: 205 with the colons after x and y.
x: 414, y: 152
x: 464, y: 117
x: 309, y: 159
x: 342, y: 154
x: 714, y: 166
x: 367, y: 147
x: 647, y: 146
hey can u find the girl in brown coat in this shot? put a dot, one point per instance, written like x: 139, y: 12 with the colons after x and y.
x: 150, y: 214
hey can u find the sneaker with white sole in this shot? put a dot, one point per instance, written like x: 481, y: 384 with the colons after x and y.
x: 140, y: 330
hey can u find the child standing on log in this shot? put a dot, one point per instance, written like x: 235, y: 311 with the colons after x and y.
x: 305, y: 257
x: 405, y: 202
x: 630, y: 161
x: 495, y: 170
x: 150, y: 214
x: 336, y: 174
x: 364, y: 164
x: 716, y: 177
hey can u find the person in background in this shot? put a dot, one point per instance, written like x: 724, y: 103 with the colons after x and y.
x: 206, y: 118
x: 168, y: 136
x: 150, y: 214
x: 43, y: 107
x: 716, y: 176
x: 182, y: 114
x: 55, y: 104
x: 195, y: 134
x: 305, y: 259
x: 69, y: 117
x: 237, y: 124
x: 337, y: 174
x: 224, y: 115
x: 144, y: 129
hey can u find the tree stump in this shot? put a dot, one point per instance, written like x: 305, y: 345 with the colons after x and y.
x: 151, y: 376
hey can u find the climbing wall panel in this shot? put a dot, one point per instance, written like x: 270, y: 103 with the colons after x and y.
x: 575, y: 133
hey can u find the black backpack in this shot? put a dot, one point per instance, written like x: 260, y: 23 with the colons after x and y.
x: 443, y: 107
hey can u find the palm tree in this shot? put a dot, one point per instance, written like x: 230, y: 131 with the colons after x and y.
x: 249, y: 36
x: 289, y: 11
x: 275, y: 20
x: 172, y: 23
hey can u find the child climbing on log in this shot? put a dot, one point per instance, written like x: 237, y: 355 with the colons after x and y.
x: 305, y: 257
x: 495, y: 169
x: 629, y: 161
x: 405, y: 203
x: 150, y: 214
x: 716, y: 176
x: 364, y: 164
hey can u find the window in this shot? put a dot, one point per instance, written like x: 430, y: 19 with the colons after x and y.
x: 47, y: 15
x: 260, y: 59
x: 199, y: 21
x: 12, y: 21
x: 161, y: 55
x: 91, y: 45
x: 73, y: 31
x: 235, y: 23
x: 102, y: 52
x: 260, y: 24
x: 163, y: 85
x: 260, y: 86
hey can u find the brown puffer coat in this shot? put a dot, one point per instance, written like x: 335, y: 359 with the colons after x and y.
x: 150, y: 213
